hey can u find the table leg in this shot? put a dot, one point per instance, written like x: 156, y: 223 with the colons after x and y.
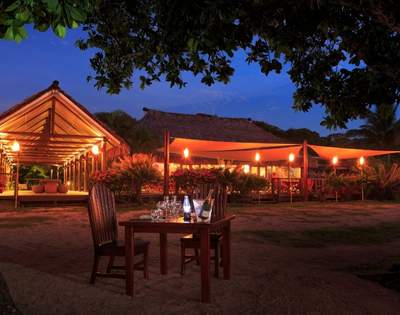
x: 129, y: 254
x: 226, y: 250
x: 205, y: 265
x: 163, y: 254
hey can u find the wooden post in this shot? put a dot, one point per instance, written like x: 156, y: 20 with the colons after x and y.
x: 79, y: 181
x: 16, y: 183
x: 166, y: 162
x: 86, y: 180
x: 104, y: 155
x: 69, y: 173
x: 74, y: 173
x: 304, y: 173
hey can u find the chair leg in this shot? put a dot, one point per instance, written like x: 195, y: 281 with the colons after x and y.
x: 145, y: 263
x: 110, y: 264
x: 216, y: 262
x: 94, y: 268
x: 182, y: 259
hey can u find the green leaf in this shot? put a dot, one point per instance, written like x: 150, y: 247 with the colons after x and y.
x: 13, y: 6
x: 60, y: 31
x: 74, y: 24
x: 9, y: 33
x: 23, y: 16
x: 52, y: 5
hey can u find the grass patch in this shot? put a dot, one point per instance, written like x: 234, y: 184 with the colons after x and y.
x: 368, y: 235
x: 10, y: 223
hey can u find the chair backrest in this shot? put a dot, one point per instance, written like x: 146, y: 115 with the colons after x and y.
x: 220, y: 200
x: 102, y: 215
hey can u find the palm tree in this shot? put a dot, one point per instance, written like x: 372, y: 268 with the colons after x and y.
x: 381, y: 127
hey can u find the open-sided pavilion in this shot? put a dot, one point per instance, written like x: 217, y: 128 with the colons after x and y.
x: 259, y: 154
x: 53, y: 129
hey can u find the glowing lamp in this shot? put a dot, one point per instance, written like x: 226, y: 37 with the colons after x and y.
x: 335, y: 160
x: 291, y: 157
x: 95, y: 149
x: 15, y: 146
x: 246, y: 168
x: 186, y: 153
x: 362, y: 161
x: 68, y: 183
x: 257, y: 157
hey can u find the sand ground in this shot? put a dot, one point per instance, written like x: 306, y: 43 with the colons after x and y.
x: 300, y: 259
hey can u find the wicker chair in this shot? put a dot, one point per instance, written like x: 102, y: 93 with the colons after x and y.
x: 192, y: 241
x: 103, y: 222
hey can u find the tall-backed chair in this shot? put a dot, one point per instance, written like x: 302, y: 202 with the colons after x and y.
x: 103, y: 222
x: 192, y: 241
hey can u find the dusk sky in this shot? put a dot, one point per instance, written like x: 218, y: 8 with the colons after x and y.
x: 34, y: 63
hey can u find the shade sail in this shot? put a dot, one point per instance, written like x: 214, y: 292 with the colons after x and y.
x: 248, y: 155
x: 346, y: 153
x: 195, y: 145
x: 235, y: 151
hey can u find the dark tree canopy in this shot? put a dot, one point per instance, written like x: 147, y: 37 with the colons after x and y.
x: 139, y: 138
x: 340, y: 54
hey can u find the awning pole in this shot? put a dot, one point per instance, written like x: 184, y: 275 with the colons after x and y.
x: 166, y: 162
x: 305, y: 170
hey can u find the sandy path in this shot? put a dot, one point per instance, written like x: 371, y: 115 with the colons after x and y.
x: 47, y: 265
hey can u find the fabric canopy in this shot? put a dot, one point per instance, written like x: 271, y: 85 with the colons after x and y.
x: 246, y: 151
x: 346, y: 153
x: 235, y: 151
x: 248, y: 155
x: 194, y: 145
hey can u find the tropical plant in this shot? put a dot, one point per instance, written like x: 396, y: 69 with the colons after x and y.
x: 248, y: 183
x: 380, y: 128
x: 110, y: 178
x: 30, y: 174
x: 137, y: 170
x: 54, y: 14
x: 190, y: 179
x: 384, y: 181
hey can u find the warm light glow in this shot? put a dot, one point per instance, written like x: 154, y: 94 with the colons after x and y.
x: 246, y: 168
x: 68, y: 183
x: 257, y: 157
x: 95, y: 149
x: 186, y: 153
x: 335, y: 160
x: 362, y: 161
x: 15, y: 146
x: 291, y: 157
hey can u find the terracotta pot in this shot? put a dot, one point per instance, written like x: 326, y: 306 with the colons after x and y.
x: 62, y: 188
x: 37, y: 189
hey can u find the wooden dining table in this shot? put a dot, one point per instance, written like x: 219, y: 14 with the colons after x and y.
x: 134, y: 226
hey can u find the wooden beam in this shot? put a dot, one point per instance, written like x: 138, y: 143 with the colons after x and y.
x: 53, y: 115
x: 39, y: 134
x: 49, y: 141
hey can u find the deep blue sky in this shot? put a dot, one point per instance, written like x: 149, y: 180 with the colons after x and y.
x: 32, y: 65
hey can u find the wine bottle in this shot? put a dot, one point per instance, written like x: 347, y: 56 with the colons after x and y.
x: 207, y: 206
x: 187, y: 209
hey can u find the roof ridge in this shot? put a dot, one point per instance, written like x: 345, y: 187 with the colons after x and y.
x: 149, y: 110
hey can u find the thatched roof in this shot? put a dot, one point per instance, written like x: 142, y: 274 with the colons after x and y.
x: 205, y: 127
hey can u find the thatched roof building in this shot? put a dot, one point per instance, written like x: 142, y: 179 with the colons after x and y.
x: 206, y: 127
